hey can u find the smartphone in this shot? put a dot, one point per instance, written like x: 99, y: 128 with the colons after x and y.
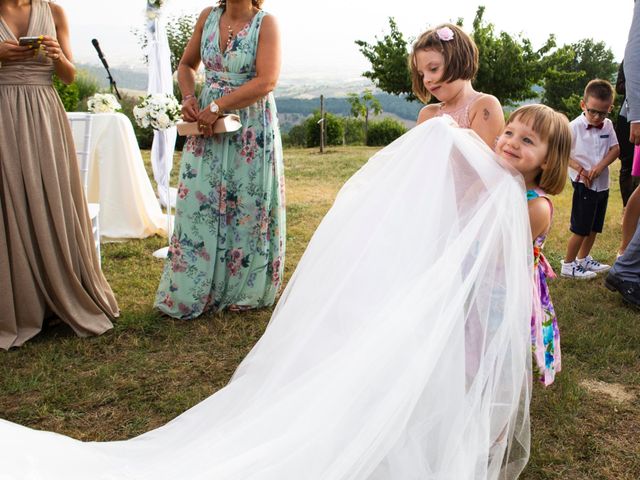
x: 26, y: 41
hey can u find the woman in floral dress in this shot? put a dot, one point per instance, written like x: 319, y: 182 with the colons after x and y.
x: 227, y: 248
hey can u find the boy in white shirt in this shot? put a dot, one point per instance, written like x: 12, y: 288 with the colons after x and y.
x: 595, y: 147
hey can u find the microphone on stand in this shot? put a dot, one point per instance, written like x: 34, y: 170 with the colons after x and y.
x: 112, y: 82
x: 96, y: 45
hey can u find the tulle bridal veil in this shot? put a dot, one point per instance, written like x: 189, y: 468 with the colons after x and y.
x: 399, y: 349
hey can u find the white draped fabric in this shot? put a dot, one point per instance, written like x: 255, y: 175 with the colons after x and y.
x: 118, y: 181
x: 160, y: 81
x: 399, y: 350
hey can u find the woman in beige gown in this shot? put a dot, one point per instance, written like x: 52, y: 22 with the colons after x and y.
x: 48, y: 265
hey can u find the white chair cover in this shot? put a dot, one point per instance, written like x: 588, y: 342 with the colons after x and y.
x: 81, y: 124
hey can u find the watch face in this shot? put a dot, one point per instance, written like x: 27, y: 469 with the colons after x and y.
x: 214, y: 107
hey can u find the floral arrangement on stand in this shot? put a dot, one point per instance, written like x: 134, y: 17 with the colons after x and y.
x: 103, y: 103
x: 158, y: 110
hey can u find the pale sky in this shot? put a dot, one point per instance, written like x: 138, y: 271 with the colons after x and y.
x: 318, y: 36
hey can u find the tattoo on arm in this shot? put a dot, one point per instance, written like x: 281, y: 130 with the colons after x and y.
x: 485, y: 114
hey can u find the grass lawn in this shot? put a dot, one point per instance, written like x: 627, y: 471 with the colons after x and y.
x: 149, y: 369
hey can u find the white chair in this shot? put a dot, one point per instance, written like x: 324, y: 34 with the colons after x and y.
x: 81, y: 128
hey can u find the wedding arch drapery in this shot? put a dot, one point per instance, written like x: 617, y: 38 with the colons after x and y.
x: 399, y: 350
x: 160, y: 81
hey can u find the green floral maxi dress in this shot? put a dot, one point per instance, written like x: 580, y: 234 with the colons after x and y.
x: 228, y: 243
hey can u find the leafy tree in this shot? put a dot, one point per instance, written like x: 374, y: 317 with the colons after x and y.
x: 179, y: 30
x: 334, y: 129
x: 353, y: 131
x: 509, y: 67
x: 570, y: 68
x: 388, y: 57
x: 362, y: 105
x: 384, y: 132
x: 296, y: 137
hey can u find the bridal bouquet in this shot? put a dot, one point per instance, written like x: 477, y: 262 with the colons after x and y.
x: 158, y: 110
x: 103, y: 103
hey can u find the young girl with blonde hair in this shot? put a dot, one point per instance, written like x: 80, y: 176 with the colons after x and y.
x: 537, y: 142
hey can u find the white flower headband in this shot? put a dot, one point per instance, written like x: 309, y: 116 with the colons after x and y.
x: 445, y: 34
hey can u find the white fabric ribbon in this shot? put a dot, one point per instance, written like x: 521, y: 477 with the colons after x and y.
x: 160, y: 81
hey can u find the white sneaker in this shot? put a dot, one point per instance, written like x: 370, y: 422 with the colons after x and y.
x: 591, y: 265
x: 575, y: 270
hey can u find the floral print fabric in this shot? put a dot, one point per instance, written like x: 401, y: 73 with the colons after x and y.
x: 545, y: 334
x: 228, y: 243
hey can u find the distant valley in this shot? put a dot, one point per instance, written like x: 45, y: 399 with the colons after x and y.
x: 296, y: 98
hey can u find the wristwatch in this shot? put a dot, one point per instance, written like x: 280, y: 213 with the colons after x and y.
x: 214, y: 107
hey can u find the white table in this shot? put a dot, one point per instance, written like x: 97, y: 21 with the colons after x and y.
x: 119, y: 182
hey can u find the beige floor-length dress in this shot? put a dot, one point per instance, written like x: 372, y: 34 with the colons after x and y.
x: 48, y: 265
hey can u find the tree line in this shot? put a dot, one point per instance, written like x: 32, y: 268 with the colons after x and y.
x: 510, y: 68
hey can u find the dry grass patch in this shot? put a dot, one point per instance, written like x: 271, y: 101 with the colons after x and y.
x: 615, y: 391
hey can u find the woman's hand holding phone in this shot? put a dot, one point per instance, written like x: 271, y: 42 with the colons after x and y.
x: 43, y: 43
x: 51, y: 47
x: 11, y: 51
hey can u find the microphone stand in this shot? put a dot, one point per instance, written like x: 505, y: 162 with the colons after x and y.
x: 112, y: 82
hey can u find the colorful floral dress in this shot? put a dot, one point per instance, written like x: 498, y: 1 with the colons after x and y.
x: 545, y: 335
x: 228, y: 243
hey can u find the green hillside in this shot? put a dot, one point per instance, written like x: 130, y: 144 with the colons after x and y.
x: 340, y: 106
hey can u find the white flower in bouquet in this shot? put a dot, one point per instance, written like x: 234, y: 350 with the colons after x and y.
x: 141, y: 115
x: 103, y: 103
x: 163, y: 121
x: 158, y: 110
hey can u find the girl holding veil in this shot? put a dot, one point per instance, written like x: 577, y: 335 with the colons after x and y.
x: 363, y: 372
